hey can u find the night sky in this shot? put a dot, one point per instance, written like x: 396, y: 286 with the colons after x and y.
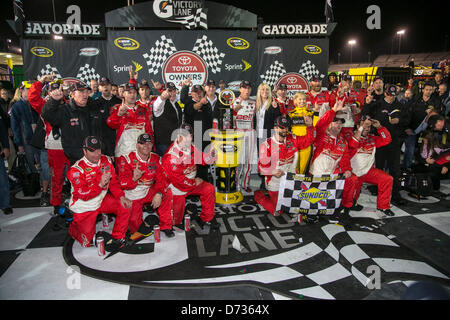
x: 425, y: 22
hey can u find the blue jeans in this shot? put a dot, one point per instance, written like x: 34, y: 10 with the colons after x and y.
x: 4, y: 186
x: 410, y: 146
x: 45, y: 170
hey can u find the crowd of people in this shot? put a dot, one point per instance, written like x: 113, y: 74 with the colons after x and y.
x: 120, y: 148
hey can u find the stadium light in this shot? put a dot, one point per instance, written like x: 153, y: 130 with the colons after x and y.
x: 351, y: 43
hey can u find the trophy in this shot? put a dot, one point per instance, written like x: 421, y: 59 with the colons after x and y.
x: 226, y: 98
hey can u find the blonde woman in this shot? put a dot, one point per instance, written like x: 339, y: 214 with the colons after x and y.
x: 301, y: 116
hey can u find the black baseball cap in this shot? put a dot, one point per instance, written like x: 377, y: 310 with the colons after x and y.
x: 129, y: 86
x: 144, y: 83
x: 211, y: 82
x: 282, y: 122
x: 282, y: 86
x: 245, y: 84
x: 171, y: 86
x: 79, y: 86
x: 315, y: 79
x: 143, y: 138
x: 338, y: 117
x: 391, y: 90
x: 347, y: 77
x: 378, y: 78
x: 92, y: 143
x: 196, y: 88
x: 53, y: 86
x: 104, y: 81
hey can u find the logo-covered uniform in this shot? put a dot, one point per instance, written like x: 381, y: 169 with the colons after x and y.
x: 142, y: 191
x: 351, y: 110
x: 284, y: 156
x: 323, y: 99
x: 362, y: 151
x: 57, y: 160
x: 180, y: 166
x: 244, y: 122
x: 285, y: 106
x: 130, y: 126
x: 88, y: 199
x: 299, y: 128
x: 331, y: 156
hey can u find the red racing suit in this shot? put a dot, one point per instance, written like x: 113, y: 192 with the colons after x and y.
x: 352, y: 113
x: 143, y: 190
x: 362, y: 152
x: 89, y: 199
x: 323, y: 99
x: 284, y: 156
x: 331, y: 156
x: 285, y: 106
x: 134, y: 122
x: 180, y: 166
x: 57, y: 160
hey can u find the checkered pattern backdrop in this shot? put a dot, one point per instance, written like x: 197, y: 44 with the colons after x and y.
x: 87, y: 73
x: 48, y: 69
x: 66, y: 59
x: 294, y: 186
x: 273, y: 73
x: 158, y: 54
x: 199, y: 19
x: 207, y: 51
x: 309, y: 69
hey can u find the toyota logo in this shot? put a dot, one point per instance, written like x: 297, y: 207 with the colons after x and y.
x: 291, y: 80
x: 184, y: 60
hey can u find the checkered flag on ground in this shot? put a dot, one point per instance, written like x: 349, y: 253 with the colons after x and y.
x: 275, y: 72
x: 158, y: 54
x: 209, y: 53
x: 48, y: 69
x: 86, y: 74
x: 309, y: 69
x: 310, y: 197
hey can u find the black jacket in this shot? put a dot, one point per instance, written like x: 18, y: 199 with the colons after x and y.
x: 76, y: 123
x: 418, y: 110
x: 166, y: 123
x: 381, y: 111
x: 107, y: 135
x: 204, y: 115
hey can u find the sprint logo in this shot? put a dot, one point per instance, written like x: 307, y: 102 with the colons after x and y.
x: 314, y: 195
x: 243, y: 67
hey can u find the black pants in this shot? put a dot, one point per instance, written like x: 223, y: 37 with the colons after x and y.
x: 387, y: 159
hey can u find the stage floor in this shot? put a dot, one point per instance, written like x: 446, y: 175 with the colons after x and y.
x: 252, y: 257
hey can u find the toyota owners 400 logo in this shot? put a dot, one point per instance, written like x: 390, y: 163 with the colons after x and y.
x: 182, y: 65
x: 294, y: 82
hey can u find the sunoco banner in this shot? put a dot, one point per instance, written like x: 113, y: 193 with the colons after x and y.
x: 292, y: 61
x: 173, y: 56
x: 310, y: 195
x: 80, y: 59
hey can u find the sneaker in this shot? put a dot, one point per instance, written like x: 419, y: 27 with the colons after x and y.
x: 169, y: 233
x: 213, y: 224
x: 387, y: 212
x: 45, y: 199
x: 55, y: 211
x: 344, y: 215
x: 7, y: 211
x: 356, y: 207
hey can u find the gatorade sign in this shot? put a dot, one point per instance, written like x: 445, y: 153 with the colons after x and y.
x: 182, y: 65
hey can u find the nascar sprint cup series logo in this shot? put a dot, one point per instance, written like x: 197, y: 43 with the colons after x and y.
x: 182, y: 65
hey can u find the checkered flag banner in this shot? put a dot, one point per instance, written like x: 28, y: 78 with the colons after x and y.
x: 48, y: 69
x: 275, y: 72
x: 199, y: 19
x: 310, y: 195
x: 209, y: 53
x: 86, y: 74
x: 158, y: 54
x: 309, y: 69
